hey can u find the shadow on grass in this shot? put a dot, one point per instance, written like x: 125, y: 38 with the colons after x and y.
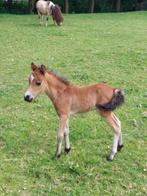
x: 38, y: 25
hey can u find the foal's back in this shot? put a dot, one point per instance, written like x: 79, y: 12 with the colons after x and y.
x: 87, y: 97
x: 100, y: 91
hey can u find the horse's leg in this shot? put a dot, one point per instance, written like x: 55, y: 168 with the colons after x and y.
x: 43, y: 20
x: 55, y: 23
x: 54, y: 20
x: 66, y: 138
x: 46, y: 21
x: 39, y: 16
x: 62, y: 126
x: 114, y: 122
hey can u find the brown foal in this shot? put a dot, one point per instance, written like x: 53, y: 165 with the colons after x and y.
x: 70, y: 99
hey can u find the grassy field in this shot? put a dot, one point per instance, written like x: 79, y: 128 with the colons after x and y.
x: 88, y: 48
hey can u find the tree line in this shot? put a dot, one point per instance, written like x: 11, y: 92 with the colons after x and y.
x: 78, y: 6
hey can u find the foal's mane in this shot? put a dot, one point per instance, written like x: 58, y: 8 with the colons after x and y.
x: 59, y: 77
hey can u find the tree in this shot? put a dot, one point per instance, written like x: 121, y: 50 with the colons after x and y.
x: 66, y: 6
x: 31, y: 6
x: 118, y: 5
x: 9, y: 4
x: 92, y: 3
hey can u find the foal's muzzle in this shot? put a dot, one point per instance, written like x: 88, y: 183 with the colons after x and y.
x: 28, y: 98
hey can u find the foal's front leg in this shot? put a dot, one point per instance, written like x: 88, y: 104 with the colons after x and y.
x: 60, y: 136
x: 66, y: 138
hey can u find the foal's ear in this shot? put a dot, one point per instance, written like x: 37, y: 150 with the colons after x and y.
x: 33, y: 66
x: 42, y: 69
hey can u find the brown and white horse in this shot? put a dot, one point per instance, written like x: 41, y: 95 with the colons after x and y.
x: 48, y: 8
x: 70, y: 99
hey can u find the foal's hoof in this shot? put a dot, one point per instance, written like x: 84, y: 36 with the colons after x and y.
x: 119, y: 147
x: 67, y: 150
x: 56, y: 157
x: 109, y: 158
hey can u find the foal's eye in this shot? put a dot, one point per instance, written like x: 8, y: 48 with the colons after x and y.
x: 38, y: 82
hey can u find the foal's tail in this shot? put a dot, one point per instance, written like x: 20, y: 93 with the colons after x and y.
x: 116, y: 101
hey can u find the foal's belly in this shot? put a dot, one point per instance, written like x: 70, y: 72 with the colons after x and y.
x: 80, y: 109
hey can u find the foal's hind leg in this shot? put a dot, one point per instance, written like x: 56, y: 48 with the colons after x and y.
x: 114, y: 122
x: 120, y: 141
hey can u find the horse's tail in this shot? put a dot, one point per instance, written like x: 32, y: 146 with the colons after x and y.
x: 57, y: 14
x: 116, y: 101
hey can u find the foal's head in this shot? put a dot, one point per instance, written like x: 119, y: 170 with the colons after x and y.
x: 37, y: 82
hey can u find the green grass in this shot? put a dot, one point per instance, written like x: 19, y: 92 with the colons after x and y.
x: 86, y: 49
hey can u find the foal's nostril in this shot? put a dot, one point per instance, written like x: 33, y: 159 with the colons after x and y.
x: 27, y: 98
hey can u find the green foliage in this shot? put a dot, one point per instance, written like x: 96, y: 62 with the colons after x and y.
x: 129, y: 5
x: 18, y: 7
x: 88, y: 48
x: 79, y: 6
x: 104, y: 6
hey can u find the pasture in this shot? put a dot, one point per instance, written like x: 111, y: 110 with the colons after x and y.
x: 109, y: 48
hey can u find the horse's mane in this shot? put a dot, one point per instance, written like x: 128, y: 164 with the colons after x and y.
x: 59, y: 77
x: 56, y: 14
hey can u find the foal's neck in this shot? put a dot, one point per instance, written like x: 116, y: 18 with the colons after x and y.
x: 55, y: 87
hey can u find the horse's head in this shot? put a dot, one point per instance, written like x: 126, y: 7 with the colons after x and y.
x: 37, y: 82
x: 57, y: 15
